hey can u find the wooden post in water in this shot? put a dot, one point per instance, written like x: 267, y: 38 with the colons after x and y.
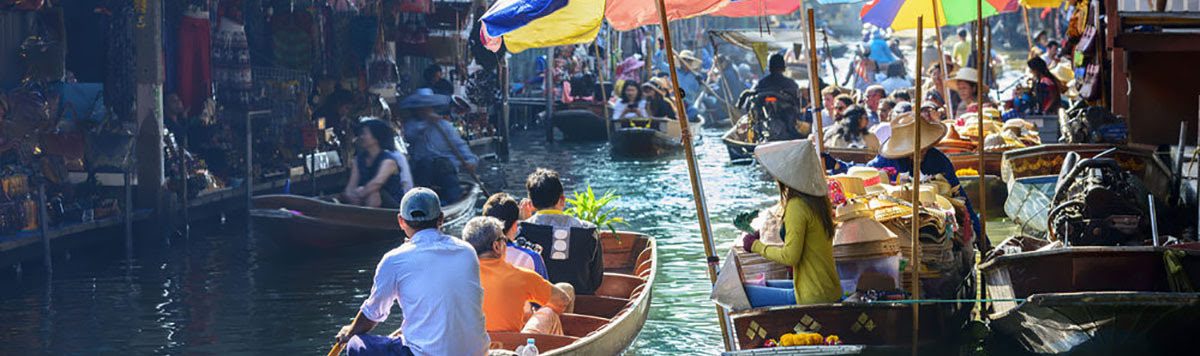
x: 937, y: 24
x: 916, y: 222
x: 980, y: 60
x: 505, y: 87
x: 603, y: 92
x: 814, y: 86
x: 693, y: 170
x: 44, y: 226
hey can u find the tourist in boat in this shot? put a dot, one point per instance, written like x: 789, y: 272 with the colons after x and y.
x: 775, y: 81
x: 435, y: 279
x: 507, y: 289
x: 875, y: 94
x: 807, y: 229
x: 935, y: 89
x: 630, y: 105
x: 1047, y: 90
x: 656, y: 103
x: 438, y: 153
x: 572, y: 247
x: 966, y: 83
x: 379, y: 173
x: 883, y: 129
x: 520, y: 252
x: 897, y: 79
x: 963, y: 49
x: 897, y: 152
x: 1051, y: 55
x: 852, y: 131
x: 828, y: 100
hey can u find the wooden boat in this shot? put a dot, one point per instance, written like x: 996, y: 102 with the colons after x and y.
x: 646, y: 137
x: 1031, y: 174
x: 605, y: 323
x: 741, y: 151
x: 582, y: 121
x: 970, y: 160
x: 322, y: 223
x: 1074, y: 300
x: 865, y: 328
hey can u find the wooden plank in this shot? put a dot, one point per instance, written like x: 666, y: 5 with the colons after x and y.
x: 1166, y: 19
x: 1158, y: 42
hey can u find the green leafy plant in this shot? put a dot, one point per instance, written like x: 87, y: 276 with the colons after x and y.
x: 587, y: 207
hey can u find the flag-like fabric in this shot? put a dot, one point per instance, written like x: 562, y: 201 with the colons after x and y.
x: 525, y: 24
x: 625, y: 15
x: 902, y: 14
x: 748, y: 8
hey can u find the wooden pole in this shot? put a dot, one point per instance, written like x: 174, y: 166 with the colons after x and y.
x: 813, y: 84
x: 603, y: 92
x: 44, y: 226
x: 505, y: 115
x: 942, y: 60
x: 1028, y: 35
x: 980, y: 61
x: 693, y: 170
x: 916, y: 219
x: 548, y: 87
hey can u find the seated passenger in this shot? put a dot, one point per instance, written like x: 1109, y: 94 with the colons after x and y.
x: 852, y: 131
x: 379, y: 174
x: 520, y: 252
x: 807, y: 229
x: 572, y: 248
x: 506, y: 288
x: 630, y: 105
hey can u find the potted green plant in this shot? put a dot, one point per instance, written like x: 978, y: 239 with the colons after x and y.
x: 588, y: 207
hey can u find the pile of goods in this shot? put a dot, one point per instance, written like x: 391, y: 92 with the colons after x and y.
x: 803, y: 339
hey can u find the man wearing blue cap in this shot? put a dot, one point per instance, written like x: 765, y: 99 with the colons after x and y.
x: 435, y: 278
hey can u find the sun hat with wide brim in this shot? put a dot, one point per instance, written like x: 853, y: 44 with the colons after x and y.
x: 966, y: 74
x: 689, y: 58
x: 901, y: 143
x: 424, y: 98
x: 795, y: 164
x: 873, y: 180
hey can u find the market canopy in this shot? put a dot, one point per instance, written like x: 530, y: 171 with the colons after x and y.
x: 748, y: 8
x: 776, y: 39
x: 902, y: 14
x: 524, y: 24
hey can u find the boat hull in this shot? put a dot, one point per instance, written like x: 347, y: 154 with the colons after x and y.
x: 313, y: 223
x: 580, y: 125
x: 1074, y: 302
x: 637, y: 142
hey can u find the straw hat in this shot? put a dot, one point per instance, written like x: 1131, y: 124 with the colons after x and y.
x: 853, y: 210
x: 872, y: 179
x: 968, y: 126
x: 1018, y: 123
x: 901, y: 143
x: 688, y: 58
x: 929, y: 197
x: 864, y: 239
x: 649, y: 85
x: 794, y: 163
x: 424, y: 98
x: 991, y: 113
x: 853, y: 186
x: 966, y: 74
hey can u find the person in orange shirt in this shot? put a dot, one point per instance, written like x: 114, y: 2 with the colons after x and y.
x: 507, y: 289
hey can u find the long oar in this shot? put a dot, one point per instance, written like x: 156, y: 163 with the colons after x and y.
x: 915, y: 262
x: 339, y: 346
x: 693, y: 170
x: 461, y: 159
x: 942, y: 60
x: 979, y: 60
x: 1028, y: 36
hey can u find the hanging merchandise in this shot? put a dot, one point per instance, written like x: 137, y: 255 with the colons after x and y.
x: 195, y: 63
x: 231, y: 65
x: 414, y: 35
x: 416, y: 6
x: 120, y: 89
x: 293, y: 39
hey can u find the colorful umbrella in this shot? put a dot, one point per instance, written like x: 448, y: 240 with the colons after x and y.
x: 748, y: 8
x: 902, y: 14
x: 525, y: 24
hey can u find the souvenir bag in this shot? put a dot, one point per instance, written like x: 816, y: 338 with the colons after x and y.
x: 417, y: 6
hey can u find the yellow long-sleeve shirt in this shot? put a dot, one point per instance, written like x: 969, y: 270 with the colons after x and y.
x: 808, y: 248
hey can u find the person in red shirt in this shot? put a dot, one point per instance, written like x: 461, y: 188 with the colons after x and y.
x: 507, y: 289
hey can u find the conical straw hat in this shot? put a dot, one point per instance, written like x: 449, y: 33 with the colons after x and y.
x: 794, y: 163
x: 901, y: 143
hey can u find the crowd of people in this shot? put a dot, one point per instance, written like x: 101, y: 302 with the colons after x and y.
x: 512, y: 270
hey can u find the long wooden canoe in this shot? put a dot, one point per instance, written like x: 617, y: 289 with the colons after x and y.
x: 649, y: 137
x: 580, y: 124
x: 741, y: 151
x: 605, y: 323
x: 321, y: 223
x: 1093, y: 300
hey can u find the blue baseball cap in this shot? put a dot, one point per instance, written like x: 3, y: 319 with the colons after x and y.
x: 420, y: 204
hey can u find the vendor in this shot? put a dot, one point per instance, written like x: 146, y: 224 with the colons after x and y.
x: 438, y: 152
x: 379, y: 161
x: 965, y: 83
x: 897, y: 154
x: 807, y: 229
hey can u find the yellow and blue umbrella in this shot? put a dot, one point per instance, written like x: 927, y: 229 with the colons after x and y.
x: 524, y: 24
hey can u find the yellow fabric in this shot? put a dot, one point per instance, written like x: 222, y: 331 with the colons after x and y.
x: 761, y: 52
x: 578, y: 22
x: 962, y: 51
x: 808, y: 249
x: 551, y: 212
x: 1041, y: 3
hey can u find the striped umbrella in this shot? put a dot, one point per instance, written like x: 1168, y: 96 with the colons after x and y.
x: 902, y: 14
x: 524, y: 24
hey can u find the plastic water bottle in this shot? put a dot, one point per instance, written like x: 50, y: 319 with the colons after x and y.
x: 529, y: 349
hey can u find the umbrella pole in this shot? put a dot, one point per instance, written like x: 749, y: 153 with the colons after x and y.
x: 942, y: 60
x: 1028, y: 35
x: 916, y: 221
x: 981, y: 59
x: 814, y: 85
x: 693, y: 170
x: 603, y: 92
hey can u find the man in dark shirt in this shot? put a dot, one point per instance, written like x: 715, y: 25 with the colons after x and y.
x: 776, y: 81
x: 782, y: 124
x: 435, y: 81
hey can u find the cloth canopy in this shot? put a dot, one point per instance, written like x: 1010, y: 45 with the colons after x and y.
x: 748, y: 8
x: 776, y: 39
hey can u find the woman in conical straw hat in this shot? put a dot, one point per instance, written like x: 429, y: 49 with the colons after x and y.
x: 807, y: 228
x: 897, y: 154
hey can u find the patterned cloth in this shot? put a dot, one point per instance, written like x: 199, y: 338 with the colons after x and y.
x: 231, y: 65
